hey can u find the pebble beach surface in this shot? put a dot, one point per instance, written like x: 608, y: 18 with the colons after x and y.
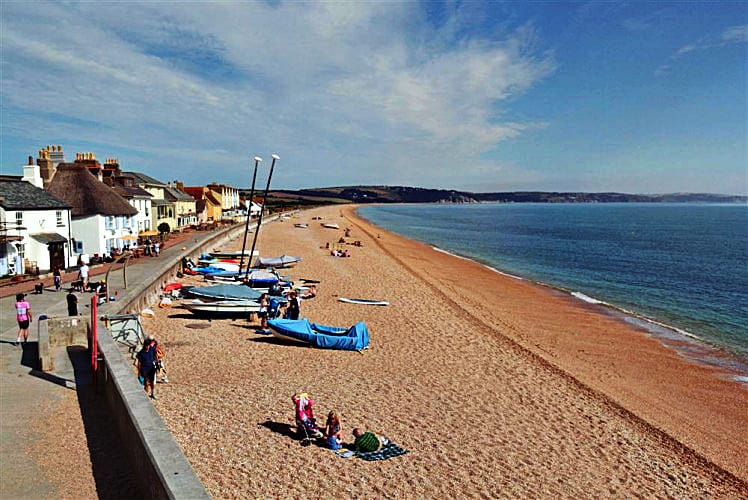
x: 497, y: 387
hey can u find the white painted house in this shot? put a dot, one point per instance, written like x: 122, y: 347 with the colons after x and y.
x: 34, y: 226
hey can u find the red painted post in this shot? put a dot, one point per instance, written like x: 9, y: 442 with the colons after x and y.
x: 95, y: 336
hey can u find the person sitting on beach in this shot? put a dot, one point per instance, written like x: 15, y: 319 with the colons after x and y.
x: 366, y: 441
x: 333, y: 431
x: 306, y: 423
x: 311, y: 293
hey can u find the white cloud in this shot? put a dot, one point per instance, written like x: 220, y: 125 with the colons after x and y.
x: 730, y: 36
x: 345, y: 92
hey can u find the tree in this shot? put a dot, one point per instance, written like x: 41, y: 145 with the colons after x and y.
x: 164, y: 228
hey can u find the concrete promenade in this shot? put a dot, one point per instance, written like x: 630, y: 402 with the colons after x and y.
x: 29, y: 396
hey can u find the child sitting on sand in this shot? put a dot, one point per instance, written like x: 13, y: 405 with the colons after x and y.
x: 333, y: 431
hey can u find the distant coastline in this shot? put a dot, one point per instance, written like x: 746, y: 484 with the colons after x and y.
x: 401, y: 194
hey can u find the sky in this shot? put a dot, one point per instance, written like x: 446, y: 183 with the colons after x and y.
x: 634, y: 97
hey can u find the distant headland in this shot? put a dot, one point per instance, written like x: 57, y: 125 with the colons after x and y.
x: 401, y: 194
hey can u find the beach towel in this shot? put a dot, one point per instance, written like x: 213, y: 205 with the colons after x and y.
x: 389, y: 450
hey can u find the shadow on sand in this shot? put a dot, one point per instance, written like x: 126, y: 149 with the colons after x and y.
x: 111, y: 470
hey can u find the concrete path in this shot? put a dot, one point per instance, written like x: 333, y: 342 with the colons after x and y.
x: 25, y: 391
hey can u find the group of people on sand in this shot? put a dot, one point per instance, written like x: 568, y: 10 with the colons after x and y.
x: 332, y: 436
x: 270, y: 305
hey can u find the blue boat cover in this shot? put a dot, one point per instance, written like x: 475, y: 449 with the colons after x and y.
x: 354, y: 338
x: 226, y: 291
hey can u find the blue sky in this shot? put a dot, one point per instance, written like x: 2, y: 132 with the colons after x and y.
x: 639, y: 97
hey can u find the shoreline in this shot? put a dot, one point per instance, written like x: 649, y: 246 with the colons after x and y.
x: 604, y: 309
x: 531, y: 394
x: 693, y: 347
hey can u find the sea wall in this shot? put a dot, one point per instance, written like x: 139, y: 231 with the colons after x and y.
x: 151, y: 449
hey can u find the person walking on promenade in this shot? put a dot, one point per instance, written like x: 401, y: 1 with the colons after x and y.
x: 147, y: 366
x: 72, y: 303
x: 23, y: 316
x: 83, y: 276
x: 58, y: 278
x: 156, y: 248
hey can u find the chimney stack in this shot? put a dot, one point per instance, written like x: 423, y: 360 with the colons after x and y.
x: 46, y: 167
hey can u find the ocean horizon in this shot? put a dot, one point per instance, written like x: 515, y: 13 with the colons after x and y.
x: 677, y: 271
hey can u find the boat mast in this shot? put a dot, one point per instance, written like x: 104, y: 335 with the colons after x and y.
x: 249, y: 216
x: 262, y: 211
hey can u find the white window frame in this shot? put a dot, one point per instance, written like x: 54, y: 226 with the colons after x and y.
x: 58, y: 216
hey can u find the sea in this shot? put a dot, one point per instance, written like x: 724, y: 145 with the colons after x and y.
x: 680, y: 271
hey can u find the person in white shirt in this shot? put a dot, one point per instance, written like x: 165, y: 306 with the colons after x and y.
x: 83, y: 275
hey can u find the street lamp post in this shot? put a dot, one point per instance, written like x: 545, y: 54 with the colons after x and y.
x: 259, y: 221
x: 249, y: 216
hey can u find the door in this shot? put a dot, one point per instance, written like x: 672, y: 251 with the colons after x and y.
x: 56, y: 255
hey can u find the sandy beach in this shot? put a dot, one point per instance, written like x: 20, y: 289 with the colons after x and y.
x: 497, y: 387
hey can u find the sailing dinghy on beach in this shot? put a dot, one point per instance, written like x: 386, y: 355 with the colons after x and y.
x: 302, y: 331
x: 278, y: 262
x: 222, y: 308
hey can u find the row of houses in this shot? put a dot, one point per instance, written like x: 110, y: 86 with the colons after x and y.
x: 58, y: 213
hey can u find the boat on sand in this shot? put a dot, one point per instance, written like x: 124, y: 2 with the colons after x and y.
x: 303, y: 331
x: 222, y: 308
x: 279, y: 262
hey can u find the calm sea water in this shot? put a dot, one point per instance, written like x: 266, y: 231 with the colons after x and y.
x: 681, y: 265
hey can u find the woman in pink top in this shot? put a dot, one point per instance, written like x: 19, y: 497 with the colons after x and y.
x: 23, y: 315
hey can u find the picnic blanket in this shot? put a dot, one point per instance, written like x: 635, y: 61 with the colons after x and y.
x: 389, y: 450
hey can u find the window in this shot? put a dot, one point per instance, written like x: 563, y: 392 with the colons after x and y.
x: 21, y: 250
x: 110, y: 222
x: 19, y: 219
x: 58, y: 215
x: 147, y: 212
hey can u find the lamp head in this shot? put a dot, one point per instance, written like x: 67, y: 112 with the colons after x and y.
x: 258, y: 159
x: 276, y: 157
